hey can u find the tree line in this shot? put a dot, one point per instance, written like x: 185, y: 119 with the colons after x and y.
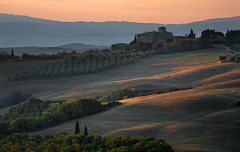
x: 230, y: 38
x: 14, y: 98
x: 172, y: 46
x: 34, y: 113
x: 43, y: 56
x: 5, y: 56
x: 81, y: 143
x: 94, y: 61
x: 233, y: 37
x: 83, y: 63
x: 126, y: 93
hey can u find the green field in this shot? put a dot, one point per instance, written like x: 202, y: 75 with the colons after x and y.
x: 199, y: 119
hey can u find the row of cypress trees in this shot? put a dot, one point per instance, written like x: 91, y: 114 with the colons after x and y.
x: 77, y: 129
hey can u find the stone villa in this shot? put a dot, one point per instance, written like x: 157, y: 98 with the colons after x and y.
x: 155, y: 36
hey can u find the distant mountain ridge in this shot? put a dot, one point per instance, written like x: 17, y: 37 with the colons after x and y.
x: 16, y: 30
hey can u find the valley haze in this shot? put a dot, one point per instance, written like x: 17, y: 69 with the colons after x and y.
x: 20, y: 31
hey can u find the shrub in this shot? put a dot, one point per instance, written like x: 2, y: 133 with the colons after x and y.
x: 222, y: 57
x: 231, y: 58
x: 237, y: 58
x: 158, y: 92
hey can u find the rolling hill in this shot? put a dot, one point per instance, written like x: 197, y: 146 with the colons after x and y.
x: 199, y: 119
x: 157, y: 72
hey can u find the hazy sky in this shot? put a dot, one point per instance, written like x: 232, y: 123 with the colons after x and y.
x: 144, y: 11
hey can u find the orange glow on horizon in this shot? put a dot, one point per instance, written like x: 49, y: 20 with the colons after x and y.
x: 152, y: 11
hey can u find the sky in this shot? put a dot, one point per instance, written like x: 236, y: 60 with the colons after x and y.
x: 142, y: 11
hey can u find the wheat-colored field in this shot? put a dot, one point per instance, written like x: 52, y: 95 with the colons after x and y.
x: 200, y: 119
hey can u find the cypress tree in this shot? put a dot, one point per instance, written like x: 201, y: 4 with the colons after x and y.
x: 135, y: 40
x: 85, y: 131
x: 192, y: 35
x: 77, y: 128
x: 12, y: 54
x: 191, y: 32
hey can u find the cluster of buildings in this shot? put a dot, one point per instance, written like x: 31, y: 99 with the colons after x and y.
x: 162, y: 35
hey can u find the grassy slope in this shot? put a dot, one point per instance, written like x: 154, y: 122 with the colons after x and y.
x: 190, y: 120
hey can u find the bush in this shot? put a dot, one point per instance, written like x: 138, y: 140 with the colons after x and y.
x: 222, y: 57
x: 231, y: 58
x: 158, y: 92
x: 125, y: 97
x: 237, y: 58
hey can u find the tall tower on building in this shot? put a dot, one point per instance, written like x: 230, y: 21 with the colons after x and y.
x: 162, y: 30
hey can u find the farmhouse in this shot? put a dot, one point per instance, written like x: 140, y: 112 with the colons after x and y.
x: 157, y: 36
x: 119, y: 47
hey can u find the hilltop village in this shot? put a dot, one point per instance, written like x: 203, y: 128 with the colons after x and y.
x: 162, y: 35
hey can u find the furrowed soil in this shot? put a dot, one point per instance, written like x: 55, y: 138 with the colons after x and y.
x: 199, y: 119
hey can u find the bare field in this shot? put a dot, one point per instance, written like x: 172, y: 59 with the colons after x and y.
x: 10, y: 68
x: 199, y: 119
x: 190, y: 120
x: 157, y: 72
x: 231, y: 75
